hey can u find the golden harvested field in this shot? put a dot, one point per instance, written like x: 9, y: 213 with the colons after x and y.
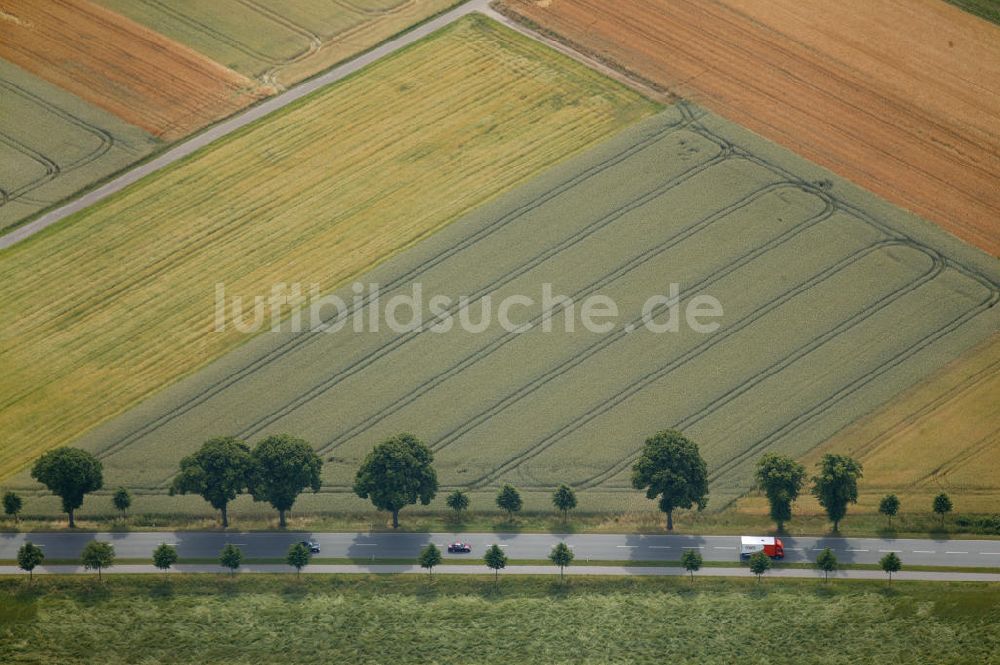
x: 278, y: 41
x: 118, y: 300
x: 943, y: 435
x: 112, y: 62
x: 900, y: 96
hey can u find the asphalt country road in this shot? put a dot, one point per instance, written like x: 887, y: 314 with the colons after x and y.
x: 370, y: 547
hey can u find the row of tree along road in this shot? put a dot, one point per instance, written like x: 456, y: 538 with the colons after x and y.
x: 399, y: 472
x: 99, y: 556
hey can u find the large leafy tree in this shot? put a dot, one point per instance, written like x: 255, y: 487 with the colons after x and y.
x: 396, y: 474
x: 70, y: 474
x: 836, y: 485
x: 780, y: 478
x: 98, y: 555
x: 283, y: 466
x: 218, y: 472
x: 671, y: 468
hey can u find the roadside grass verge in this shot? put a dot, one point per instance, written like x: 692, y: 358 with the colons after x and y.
x: 722, y: 523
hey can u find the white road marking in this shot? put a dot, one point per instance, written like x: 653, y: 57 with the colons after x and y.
x: 883, y: 551
x: 857, y: 550
x: 792, y: 549
x: 720, y: 547
x: 956, y: 552
x: 659, y: 547
x: 991, y: 553
x: 923, y: 551
x: 626, y: 546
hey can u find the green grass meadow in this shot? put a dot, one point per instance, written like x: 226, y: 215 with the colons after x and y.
x: 392, y: 619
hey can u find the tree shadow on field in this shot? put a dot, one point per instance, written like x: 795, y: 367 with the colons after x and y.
x: 887, y: 532
x: 294, y: 590
x: 161, y: 590
x: 92, y: 592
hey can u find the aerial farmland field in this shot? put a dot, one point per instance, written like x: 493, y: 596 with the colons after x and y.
x: 117, y: 301
x: 902, y: 98
x: 130, y: 71
x: 943, y: 435
x: 834, y: 302
x: 278, y: 41
x: 53, y: 144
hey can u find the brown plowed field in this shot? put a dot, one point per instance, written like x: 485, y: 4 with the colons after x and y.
x: 900, y: 96
x: 142, y: 77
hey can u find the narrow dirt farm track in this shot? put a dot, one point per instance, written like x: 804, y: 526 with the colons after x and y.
x: 900, y: 96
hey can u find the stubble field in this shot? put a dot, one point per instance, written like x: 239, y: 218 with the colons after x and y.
x: 53, y: 144
x: 834, y: 302
x: 901, y: 97
x: 117, y: 301
x: 116, y: 64
x: 278, y: 41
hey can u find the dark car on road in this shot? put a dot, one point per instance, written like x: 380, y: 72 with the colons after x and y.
x: 312, y: 545
x: 460, y: 548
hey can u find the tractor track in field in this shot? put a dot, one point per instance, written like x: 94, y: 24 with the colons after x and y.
x: 607, y: 340
x: 53, y: 168
x: 938, y: 265
x: 691, y: 354
x: 581, y: 235
x: 300, y: 341
x: 894, y: 238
